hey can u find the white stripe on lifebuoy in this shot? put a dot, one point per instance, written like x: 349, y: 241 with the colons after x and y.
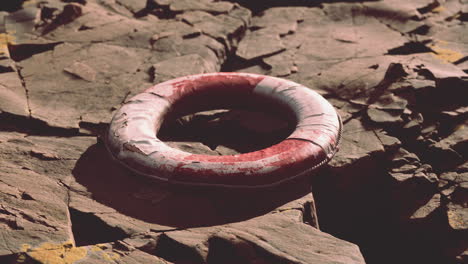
x: 132, y: 136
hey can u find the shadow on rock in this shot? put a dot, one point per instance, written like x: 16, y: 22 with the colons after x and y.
x: 136, y: 196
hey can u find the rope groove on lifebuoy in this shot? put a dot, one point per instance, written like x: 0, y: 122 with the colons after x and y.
x: 132, y: 136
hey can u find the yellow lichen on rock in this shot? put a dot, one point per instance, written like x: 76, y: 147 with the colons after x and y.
x: 455, y: 220
x: 30, y: 3
x: 49, y: 253
x: 98, y: 247
x: 438, y: 9
x: 5, y: 39
x: 444, y: 54
x: 109, y: 256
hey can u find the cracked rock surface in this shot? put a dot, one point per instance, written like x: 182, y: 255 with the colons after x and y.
x: 396, y: 192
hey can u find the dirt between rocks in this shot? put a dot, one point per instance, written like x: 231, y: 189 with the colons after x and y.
x: 395, y: 70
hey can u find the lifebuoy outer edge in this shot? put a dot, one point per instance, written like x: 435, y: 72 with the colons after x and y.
x: 132, y: 135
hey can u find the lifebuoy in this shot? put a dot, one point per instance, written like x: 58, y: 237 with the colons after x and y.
x: 132, y: 135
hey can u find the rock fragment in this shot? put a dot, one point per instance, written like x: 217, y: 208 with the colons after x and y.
x: 203, y: 5
x: 259, y: 43
x: 281, y: 20
x: 224, y: 28
x: 193, y: 17
x: 424, y: 211
x: 20, y: 25
x: 33, y: 210
x: 253, y: 240
x: 382, y: 116
x: 357, y: 144
x: 387, y: 109
x: 108, y: 81
x: 457, y: 216
x: 455, y: 188
x: 450, y: 151
x: 82, y: 70
x: 459, y: 112
x: 181, y: 66
x: 13, y: 94
x: 282, y: 64
x: 457, y: 141
x: 407, y: 166
x: 389, y: 142
x: 401, y: 17
x: 134, y: 6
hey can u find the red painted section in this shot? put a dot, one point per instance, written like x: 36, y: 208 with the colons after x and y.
x: 297, y: 157
x: 220, y: 83
x: 286, y: 148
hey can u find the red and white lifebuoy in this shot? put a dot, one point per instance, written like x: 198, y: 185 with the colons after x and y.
x: 132, y: 136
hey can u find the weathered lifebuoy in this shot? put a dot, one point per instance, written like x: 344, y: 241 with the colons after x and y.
x: 132, y: 136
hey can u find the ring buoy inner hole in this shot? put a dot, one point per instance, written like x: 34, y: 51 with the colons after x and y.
x: 233, y: 119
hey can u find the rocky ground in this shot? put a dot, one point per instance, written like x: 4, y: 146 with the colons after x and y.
x: 396, y: 71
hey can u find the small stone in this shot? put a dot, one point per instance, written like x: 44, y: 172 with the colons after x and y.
x: 401, y: 177
x: 457, y: 215
x: 421, y: 84
x: 223, y: 150
x: 429, y: 129
x: 405, y: 168
x: 425, y: 210
x: 461, y: 111
x: 457, y: 141
x: 389, y: 142
x: 384, y: 116
x: 447, y: 191
x: 391, y: 102
x: 161, y: 35
x: 82, y: 71
x: 412, y: 124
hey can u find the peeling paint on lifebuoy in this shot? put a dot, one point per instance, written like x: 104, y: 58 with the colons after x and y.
x: 132, y: 136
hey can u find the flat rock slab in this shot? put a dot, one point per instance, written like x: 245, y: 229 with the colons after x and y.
x: 87, y: 185
x: 14, y: 95
x: 267, y: 238
x: 259, y: 43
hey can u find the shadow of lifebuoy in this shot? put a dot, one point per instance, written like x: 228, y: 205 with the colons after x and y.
x: 154, y: 202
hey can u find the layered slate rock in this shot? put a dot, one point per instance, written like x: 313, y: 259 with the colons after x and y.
x: 358, y: 143
x: 34, y: 198
x: 13, y: 94
x: 262, y: 240
x: 84, y: 73
x: 97, y: 68
x: 453, y: 186
x: 71, y: 209
x: 395, y: 70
